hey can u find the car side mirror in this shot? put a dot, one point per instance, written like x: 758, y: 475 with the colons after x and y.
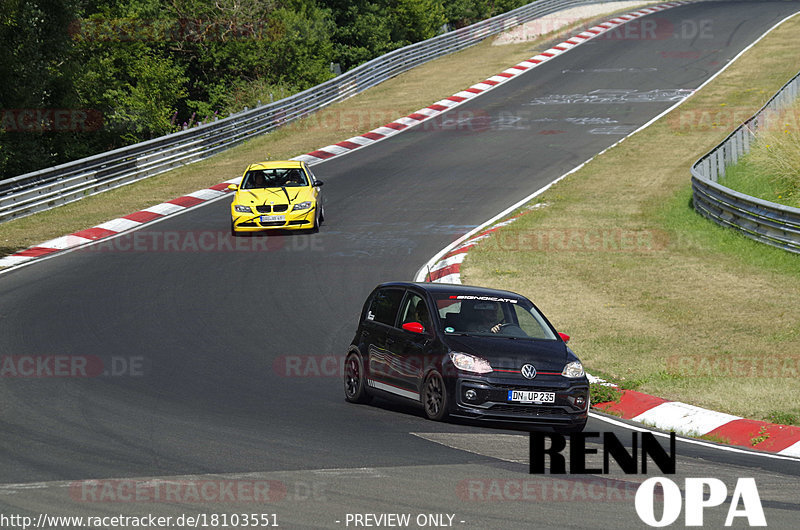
x: 414, y: 327
x: 233, y: 187
x: 564, y: 336
x: 318, y: 183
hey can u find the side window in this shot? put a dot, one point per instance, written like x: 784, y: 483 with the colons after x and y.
x: 415, y: 310
x: 311, y: 175
x: 384, y: 306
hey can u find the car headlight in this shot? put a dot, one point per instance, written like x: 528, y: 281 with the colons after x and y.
x: 302, y: 206
x: 242, y: 209
x: 470, y: 363
x: 573, y: 369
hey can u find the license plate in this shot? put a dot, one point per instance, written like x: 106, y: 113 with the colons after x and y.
x: 529, y: 396
x: 273, y: 218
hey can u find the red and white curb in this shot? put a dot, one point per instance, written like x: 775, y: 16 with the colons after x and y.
x: 447, y: 267
x: 117, y: 226
x: 175, y: 206
x: 695, y: 421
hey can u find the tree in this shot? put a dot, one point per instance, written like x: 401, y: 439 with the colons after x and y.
x: 36, y: 70
x: 129, y: 74
x: 363, y: 31
x: 416, y: 20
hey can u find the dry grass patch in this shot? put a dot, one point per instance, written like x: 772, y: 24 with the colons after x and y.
x: 654, y: 295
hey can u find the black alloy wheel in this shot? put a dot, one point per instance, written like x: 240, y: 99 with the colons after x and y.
x: 354, y: 380
x: 434, y: 397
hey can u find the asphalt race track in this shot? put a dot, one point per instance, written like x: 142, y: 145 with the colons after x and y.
x: 221, y: 361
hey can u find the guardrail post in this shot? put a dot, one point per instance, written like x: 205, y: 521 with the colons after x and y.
x: 720, y: 164
x: 712, y: 167
x: 706, y: 165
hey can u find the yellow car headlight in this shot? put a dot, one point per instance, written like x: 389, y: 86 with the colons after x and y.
x: 302, y: 206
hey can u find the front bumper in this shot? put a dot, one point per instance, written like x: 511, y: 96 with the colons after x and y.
x: 251, y: 222
x: 571, y: 406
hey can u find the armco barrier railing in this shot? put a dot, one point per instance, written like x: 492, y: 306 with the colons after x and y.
x: 758, y: 219
x: 48, y: 188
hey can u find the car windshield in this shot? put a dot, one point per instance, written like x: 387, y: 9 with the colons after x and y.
x: 492, y: 316
x: 274, y: 178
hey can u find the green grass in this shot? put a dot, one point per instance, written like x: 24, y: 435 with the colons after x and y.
x: 603, y: 393
x: 783, y: 418
x: 751, y: 179
x: 694, y: 233
x: 715, y: 438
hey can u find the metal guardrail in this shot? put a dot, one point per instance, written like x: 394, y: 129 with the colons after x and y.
x: 758, y: 219
x: 51, y: 187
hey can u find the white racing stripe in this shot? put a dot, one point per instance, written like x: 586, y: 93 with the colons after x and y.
x: 206, y: 194
x: 393, y: 389
x: 164, y: 208
x: 676, y: 416
x: 792, y: 450
x: 452, y: 260
x: 119, y: 225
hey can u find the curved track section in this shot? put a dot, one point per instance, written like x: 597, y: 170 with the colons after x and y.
x: 224, y: 355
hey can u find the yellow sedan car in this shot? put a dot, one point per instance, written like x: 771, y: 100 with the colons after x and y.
x: 281, y: 194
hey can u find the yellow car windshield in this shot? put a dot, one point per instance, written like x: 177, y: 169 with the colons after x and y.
x: 274, y: 178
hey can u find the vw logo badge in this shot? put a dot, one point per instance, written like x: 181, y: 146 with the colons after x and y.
x: 528, y: 371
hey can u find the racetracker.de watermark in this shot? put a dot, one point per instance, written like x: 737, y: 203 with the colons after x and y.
x: 70, y: 366
x: 180, y: 491
x: 775, y: 366
x: 50, y: 120
x: 728, y: 117
x: 309, y: 366
x: 578, y: 240
x: 659, y: 28
x: 333, y: 366
x: 546, y: 490
x: 652, y: 28
x: 456, y: 120
x: 205, y: 241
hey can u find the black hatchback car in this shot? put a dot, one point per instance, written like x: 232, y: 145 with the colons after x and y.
x: 466, y: 351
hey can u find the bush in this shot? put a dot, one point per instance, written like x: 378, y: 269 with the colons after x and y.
x: 771, y: 170
x: 783, y: 418
x: 778, y: 153
x: 604, y: 393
